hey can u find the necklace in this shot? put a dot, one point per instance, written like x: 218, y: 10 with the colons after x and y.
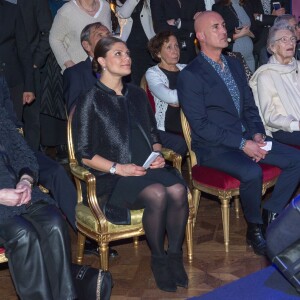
x: 94, y: 5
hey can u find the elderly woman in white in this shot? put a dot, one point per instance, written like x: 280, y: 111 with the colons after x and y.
x: 162, y: 81
x: 276, y: 87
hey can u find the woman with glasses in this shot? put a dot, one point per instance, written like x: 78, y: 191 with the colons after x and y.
x: 276, y: 87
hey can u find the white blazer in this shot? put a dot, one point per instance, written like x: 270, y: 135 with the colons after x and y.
x: 123, y: 13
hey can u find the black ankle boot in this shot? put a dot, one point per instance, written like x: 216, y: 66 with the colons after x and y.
x: 256, y: 239
x: 177, y: 269
x: 162, y: 274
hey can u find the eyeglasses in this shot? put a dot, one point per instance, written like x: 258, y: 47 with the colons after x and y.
x: 286, y: 39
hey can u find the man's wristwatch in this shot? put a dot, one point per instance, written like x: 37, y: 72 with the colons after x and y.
x: 113, y: 169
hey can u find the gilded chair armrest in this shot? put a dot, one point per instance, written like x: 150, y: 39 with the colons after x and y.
x: 79, y: 171
x: 172, y: 156
x: 84, y: 175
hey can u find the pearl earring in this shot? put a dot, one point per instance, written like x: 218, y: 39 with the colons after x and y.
x: 104, y: 68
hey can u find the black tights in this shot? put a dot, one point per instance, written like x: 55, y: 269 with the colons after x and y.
x: 166, y: 209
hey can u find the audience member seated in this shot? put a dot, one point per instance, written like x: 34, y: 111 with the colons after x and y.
x: 51, y: 175
x: 80, y: 78
x: 238, y: 24
x: 290, y: 21
x: 32, y: 229
x: 68, y: 24
x: 162, y: 82
x: 276, y: 87
x: 227, y: 131
x: 114, y: 133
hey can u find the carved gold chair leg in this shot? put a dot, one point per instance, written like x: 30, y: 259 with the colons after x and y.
x: 189, y: 239
x: 103, y: 255
x: 237, y: 206
x: 135, y: 241
x: 80, y: 247
x: 188, y: 161
x: 225, y: 200
x: 196, y: 200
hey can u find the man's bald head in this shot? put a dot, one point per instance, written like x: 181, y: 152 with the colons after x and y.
x: 211, y: 31
x: 202, y: 18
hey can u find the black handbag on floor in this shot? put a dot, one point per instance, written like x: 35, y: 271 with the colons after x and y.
x: 91, y: 283
x: 283, y: 243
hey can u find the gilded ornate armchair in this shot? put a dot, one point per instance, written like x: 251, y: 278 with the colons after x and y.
x: 92, y: 223
x: 220, y: 184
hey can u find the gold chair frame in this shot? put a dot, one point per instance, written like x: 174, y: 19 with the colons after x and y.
x: 223, y: 195
x: 91, y: 221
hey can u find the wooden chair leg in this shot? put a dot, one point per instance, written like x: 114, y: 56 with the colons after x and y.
x: 135, y: 241
x: 196, y: 200
x: 189, y: 238
x: 225, y: 200
x: 103, y: 255
x: 80, y: 247
x: 237, y: 206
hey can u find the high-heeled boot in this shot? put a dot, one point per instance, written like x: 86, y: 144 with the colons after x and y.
x: 177, y: 269
x: 256, y: 239
x: 162, y: 274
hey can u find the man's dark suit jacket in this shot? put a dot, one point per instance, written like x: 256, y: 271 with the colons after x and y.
x: 77, y: 81
x: 38, y: 21
x: 205, y: 100
x: 15, y: 56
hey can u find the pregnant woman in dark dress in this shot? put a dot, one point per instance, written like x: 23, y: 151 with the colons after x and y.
x: 115, y: 131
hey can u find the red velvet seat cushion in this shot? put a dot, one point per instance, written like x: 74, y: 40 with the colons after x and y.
x: 218, y: 179
x: 2, y: 250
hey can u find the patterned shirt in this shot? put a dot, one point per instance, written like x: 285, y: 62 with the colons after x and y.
x: 225, y: 74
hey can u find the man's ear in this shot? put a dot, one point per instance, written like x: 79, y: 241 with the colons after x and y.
x: 86, y: 46
x: 200, y: 36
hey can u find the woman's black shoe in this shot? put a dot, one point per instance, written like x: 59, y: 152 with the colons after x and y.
x: 256, y: 239
x: 162, y: 274
x: 177, y: 269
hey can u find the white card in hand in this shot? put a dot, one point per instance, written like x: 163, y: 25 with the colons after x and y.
x: 150, y: 159
x: 267, y: 147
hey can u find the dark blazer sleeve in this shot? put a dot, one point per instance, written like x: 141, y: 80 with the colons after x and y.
x: 44, y: 23
x: 71, y: 87
x: 6, y: 102
x: 249, y: 109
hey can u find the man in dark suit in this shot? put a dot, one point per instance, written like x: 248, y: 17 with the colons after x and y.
x: 51, y: 175
x: 38, y: 21
x: 80, y: 78
x: 178, y: 16
x: 227, y: 131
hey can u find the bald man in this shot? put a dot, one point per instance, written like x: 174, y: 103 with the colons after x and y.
x: 227, y: 131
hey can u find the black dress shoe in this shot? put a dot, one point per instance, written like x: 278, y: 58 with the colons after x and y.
x: 256, y: 239
x: 91, y: 248
x: 177, y: 269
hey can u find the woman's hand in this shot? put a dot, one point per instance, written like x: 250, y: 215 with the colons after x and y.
x: 25, y: 188
x: 11, y: 197
x: 244, y: 31
x: 158, y: 163
x: 130, y: 170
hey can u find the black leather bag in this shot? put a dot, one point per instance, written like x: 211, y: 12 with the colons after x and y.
x: 91, y: 283
x: 283, y: 243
